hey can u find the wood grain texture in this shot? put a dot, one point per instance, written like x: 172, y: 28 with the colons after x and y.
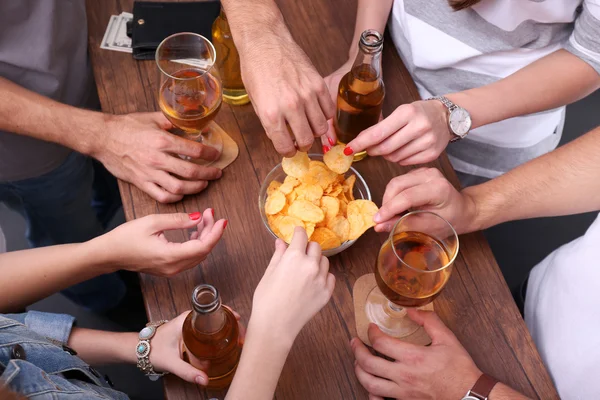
x: 476, y: 303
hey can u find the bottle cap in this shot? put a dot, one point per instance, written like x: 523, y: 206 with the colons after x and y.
x: 206, y: 299
x: 371, y: 40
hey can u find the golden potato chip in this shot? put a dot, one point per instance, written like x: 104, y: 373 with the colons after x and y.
x: 360, y: 216
x: 319, y: 175
x: 291, y: 197
x: 286, y: 225
x: 273, y: 186
x: 312, y: 193
x: 296, y: 166
x: 341, y: 227
x: 326, y: 238
x: 272, y: 220
x: 288, y: 185
x: 331, y: 206
x: 306, y: 211
x: 310, y: 228
x: 343, y: 206
x: 336, y: 160
x: 275, y: 203
x: 349, y: 187
x: 316, y: 163
x: 334, y: 189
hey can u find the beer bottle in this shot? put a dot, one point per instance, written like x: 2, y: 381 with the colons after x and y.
x: 228, y: 62
x: 361, y: 91
x: 211, y: 337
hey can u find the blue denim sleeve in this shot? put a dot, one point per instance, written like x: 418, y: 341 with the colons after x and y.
x: 52, y: 326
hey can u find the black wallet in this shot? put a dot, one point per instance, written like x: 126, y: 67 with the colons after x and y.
x: 153, y: 22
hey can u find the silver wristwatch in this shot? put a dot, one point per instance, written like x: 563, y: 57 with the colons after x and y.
x: 142, y: 350
x: 459, y: 119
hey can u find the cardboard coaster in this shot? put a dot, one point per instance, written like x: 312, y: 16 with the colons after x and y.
x: 362, y: 287
x: 230, y: 148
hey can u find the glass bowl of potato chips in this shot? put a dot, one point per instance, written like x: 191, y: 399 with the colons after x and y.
x: 334, y: 208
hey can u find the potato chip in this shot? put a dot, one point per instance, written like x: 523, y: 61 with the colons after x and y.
x: 310, y: 228
x: 288, y: 185
x: 319, y: 175
x: 326, y: 238
x: 297, y: 165
x: 275, y: 203
x: 349, y: 187
x: 343, y: 206
x: 286, y: 225
x: 273, y: 186
x: 331, y: 207
x: 360, y: 216
x: 272, y: 220
x: 312, y: 193
x: 334, y: 189
x: 340, y: 226
x: 306, y: 211
x: 336, y: 160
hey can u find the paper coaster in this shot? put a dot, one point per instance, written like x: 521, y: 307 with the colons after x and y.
x: 230, y: 148
x: 362, y: 287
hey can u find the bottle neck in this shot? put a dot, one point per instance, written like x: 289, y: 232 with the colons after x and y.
x: 367, y: 64
x: 208, y: 323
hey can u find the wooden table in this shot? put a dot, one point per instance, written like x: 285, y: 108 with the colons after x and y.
x: 476, y: 303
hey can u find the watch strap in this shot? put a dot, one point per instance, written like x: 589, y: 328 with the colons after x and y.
x: 483, y: 387
x: 446, y: 102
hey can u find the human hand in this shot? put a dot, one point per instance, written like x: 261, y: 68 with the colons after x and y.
x: 137, y: 148
x: 295, y: 286
x: 284, y: 86
x: 414, y: 133
x: 441, y: 371
x: 141, y: 245
x: 425, y: 189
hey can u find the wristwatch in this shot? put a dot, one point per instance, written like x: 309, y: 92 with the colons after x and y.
x: 482, y: 388
x: 142, y: 350
x: 459, y: 119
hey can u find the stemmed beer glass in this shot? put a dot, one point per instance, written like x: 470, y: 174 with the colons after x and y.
x: 412, y: 268
x: 191, y: 91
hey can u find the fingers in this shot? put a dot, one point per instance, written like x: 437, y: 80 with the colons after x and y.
x: 433, y: 325
x: 280, y: 248
x: 207, y: 223
x: 330, y: 283
x: 159, y: 194
x: 178, y: 186
x: 314, y: 250
x: 416, y: 196
x: 191, y: 148
x: 381, y: 131
x: 410, y: 149
x: 370, y: 363
x: 189, y: 170
x: 199, y: 249
x: 164, y: 222
x: 374, y: 385
x: 402, y: 141
x: 159, y: 119
x: 423, y: 157
x: 373, y: 397
x: 388, y: 345
x: 413, y: 178
x: 316, y: 117
x: 301, y: 128
x: 274, y: 123
x: 324, y: 266
x: 326, y: 96
x: 186, y: 372
x: 299, y: 240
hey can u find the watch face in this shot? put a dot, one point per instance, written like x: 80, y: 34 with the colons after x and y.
x: 460, y: 121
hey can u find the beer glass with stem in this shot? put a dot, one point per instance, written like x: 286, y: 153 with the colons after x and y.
x: 412, y: 267
x: 191, y: 92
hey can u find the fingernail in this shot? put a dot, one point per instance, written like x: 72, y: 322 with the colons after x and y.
x: 331, y: 141
x: 220, y: 173
x: 212, y: 210
x: 225, y: 224
x: 348, y: 151
x: 377, y: 218
x: 326, y: 148
x: 195, y: 216
x: 200, y: 380
x: 355, y: 363
x: 352, y: 342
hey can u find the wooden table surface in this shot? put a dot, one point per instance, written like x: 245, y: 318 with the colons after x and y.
x: 476, y: 304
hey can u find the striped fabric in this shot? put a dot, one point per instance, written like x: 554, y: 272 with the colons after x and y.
x: 448, y: 51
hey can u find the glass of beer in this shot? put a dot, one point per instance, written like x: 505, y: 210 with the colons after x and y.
x: 191, y: 92
x: 412, y: 268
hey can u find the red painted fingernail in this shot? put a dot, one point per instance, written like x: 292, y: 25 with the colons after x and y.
x: 326, y: 148
x: 195, y: 216
x: 225, y: 224
x: 331, y: 141
x: 212, y: 210
x: 348, y: 151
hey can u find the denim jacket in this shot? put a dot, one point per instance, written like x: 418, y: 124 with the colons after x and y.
x: 35, y: 361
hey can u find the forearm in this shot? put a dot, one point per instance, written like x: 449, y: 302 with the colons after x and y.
x: 503, y: 392
x: 260, y: 366
x: 101, y: 347
x: 553, y: 81
x: 370, y: 15
x: 27, y: 113
x: 565, y: 181
x: 31, y: 275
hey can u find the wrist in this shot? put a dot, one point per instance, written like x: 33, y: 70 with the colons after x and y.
x: 269, y: 336
x: 248, y: 32
x: 127, y: 343
x: 105, y: 261
x: 485, y: 206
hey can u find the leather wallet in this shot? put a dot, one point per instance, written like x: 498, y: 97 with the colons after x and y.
x: 153, y: 22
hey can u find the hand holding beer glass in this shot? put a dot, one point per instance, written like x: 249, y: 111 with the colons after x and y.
x: 412, y: 268
x: 190, y: 93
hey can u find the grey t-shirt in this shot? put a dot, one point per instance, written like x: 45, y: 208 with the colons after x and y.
x: 43, y: 48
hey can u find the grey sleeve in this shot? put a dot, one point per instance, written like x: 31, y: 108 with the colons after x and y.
x: 585, y: 39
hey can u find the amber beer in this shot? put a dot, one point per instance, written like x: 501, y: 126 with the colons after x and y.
x: 211, y: 337
x: 361, y: 91
x: 412, y: 282
x: 190, y: 99
x: 228, y: 62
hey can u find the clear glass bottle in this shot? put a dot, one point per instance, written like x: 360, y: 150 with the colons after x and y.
x: 361, y: 91
x: 211, y: 337
x: 228, y: 62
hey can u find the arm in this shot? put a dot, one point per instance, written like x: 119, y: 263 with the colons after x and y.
x: 134, y: 147
x: 138, y: 246
x: 564, y: 181
x: 292, y: 93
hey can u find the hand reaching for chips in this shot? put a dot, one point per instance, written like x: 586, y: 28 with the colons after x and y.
x: 318, y: 198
